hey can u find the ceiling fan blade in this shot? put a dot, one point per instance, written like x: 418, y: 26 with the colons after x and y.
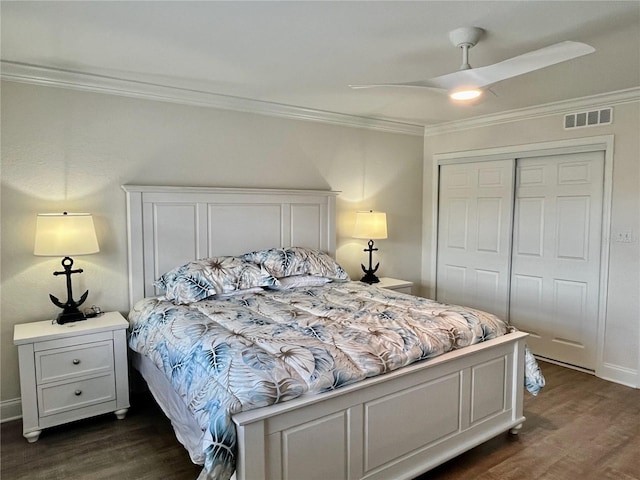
x: 513, y: 67
x: 418, y: 84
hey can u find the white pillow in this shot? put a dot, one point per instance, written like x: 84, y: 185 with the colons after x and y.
x: 296, y: 281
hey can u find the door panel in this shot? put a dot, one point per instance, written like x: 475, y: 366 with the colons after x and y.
x: 488, y: 229
x: 573, y: 227
x: 530, y: 220
x: 456, y: 233
x: 475, y: 212
x: 556, y: 255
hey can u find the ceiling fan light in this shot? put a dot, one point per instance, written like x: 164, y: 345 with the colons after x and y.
x: 466, y: 94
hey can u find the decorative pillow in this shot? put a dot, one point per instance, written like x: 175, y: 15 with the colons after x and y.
x: 287, y: 262
x: 295, y: 281
x: 200, y: 279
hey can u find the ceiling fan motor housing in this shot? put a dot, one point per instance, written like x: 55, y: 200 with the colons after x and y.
x: 465, y: 36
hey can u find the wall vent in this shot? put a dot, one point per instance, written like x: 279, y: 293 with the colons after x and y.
x: 603, y: 116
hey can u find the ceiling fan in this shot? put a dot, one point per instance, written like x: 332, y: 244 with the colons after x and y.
x: 468, y: 83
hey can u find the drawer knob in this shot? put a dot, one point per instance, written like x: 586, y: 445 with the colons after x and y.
x: 77, y: 393
x: 76, y: 361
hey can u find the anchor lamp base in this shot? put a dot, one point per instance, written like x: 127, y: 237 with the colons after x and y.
x: 69, y: 315
x: 70, y: 311
x: 370, y: 273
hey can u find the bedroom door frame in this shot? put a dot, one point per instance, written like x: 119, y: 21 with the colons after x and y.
x: 603, y: 143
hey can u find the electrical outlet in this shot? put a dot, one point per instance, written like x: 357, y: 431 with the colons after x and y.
x: 624, y: 237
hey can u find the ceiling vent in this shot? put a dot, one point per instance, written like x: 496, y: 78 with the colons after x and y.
x: 603, y: 116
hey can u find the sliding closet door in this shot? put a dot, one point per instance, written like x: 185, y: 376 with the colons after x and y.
x: 556, y: 255
x: 474, y: 234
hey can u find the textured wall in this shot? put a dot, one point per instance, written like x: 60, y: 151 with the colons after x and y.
x: 70, y: 150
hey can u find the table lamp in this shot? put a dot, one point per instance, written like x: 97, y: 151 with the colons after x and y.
x: 62, y: 235
x: 373, y: 226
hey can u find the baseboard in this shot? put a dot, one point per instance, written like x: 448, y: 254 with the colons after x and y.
x: 10, y: 410
x: 563, y: 364
x: 617, y: 374
x: 609, y: 372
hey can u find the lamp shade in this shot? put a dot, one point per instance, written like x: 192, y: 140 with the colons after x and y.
x: 65, y: 234
x: 370, y: 225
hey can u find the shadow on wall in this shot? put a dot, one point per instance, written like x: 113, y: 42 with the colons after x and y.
x: 398, y: 193
x: 27, y: 280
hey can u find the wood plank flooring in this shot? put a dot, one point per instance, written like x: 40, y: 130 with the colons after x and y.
x: 579, y: 427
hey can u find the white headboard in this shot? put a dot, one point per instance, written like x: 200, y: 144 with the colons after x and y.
x: 170, y: 226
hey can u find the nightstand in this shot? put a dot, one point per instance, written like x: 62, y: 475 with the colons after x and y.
x: 71, y: 371
x: 395, y: 284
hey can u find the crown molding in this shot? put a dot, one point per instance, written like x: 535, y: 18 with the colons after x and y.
x: 54, y: 77
x: 565, y: 106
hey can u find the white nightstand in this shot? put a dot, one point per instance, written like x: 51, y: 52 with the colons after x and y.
x: 395, y: 284
x: 72, y: 371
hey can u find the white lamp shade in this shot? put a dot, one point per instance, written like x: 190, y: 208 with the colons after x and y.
x: 65, y: 234
x: 370, y: 225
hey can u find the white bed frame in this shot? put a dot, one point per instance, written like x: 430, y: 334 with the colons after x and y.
x: 395, y: 426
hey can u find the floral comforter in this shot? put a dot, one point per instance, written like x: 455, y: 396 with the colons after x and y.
x: 253, y: 350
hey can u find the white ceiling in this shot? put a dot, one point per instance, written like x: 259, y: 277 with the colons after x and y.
x: 306, y: 53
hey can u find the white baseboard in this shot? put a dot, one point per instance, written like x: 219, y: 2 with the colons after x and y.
x: 617, y: 374
x: 609, y: 372
x: 10, y: 410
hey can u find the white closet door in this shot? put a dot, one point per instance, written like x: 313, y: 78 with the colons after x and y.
x: 556, y: 255
x: 474, y: 234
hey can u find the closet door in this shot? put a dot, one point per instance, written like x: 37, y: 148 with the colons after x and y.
x: 556, y: 255
x: 474, y: 234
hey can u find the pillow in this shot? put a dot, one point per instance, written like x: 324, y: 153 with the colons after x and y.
x: 295, y: 281
x: 200, y: 279
x: 287, y: 262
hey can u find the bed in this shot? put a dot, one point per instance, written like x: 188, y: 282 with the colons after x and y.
x: 400, y: 418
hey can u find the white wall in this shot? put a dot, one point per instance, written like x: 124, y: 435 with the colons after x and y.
x: 71, y: 150
x: 621, y: 352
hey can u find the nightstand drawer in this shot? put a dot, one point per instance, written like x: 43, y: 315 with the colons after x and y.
x: 69, y: 362
x: 53, y: 399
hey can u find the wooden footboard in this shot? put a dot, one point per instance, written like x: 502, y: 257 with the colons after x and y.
x: 395, y: 426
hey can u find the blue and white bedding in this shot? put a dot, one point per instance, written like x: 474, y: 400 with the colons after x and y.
x: 241, y: 350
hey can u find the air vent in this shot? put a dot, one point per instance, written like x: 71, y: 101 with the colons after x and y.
x: 603, y: 116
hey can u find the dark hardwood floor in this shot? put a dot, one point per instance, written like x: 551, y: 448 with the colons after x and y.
x: 579, y: 427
